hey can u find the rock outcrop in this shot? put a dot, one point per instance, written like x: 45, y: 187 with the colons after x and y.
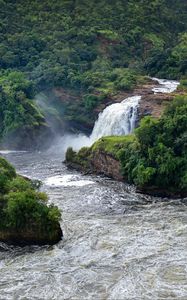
x: 105, y: 164
x: 31, y: 236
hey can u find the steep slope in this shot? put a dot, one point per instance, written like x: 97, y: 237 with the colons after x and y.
x: 91, y: 49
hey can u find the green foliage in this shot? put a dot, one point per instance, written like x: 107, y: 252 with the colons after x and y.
x: 147, y: 131
x: 81, y: 158
x: 183, y: 85
x: 91, y: 101
x: 170, y: 63
x: 22, y: 206
x: 7, y: 172
x: 17, y: 108
x: 109, y: 34
x: 157, y: 157
x: 70, y: 154
x: 112, y: 144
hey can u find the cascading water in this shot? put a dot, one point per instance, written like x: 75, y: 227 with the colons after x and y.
x: 165, y: 86
x: 117, y: 244
x: 117, y: 119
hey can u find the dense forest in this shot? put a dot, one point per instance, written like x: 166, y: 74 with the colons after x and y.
x: 90, y: 48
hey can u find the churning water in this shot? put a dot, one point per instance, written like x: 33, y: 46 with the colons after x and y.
x: 117, y: 244
x: 166, y: 86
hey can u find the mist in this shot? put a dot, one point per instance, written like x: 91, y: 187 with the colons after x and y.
x: 52, y: 109
x: 62, y: 143
x: 116, y: 119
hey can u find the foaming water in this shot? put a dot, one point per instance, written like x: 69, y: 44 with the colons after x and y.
x: 116, y: 119
x: 166, y: 86
x: 11, y: 151
x: 117, y: 244
x: 67, y: 180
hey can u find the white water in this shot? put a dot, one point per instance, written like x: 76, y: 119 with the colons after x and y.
x: 67, y: 181
x: 117, y: 245
x: 166, y: 86
x: 117, y: 119
x: 10, y: 151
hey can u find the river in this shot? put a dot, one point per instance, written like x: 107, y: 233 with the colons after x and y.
x: 117, y: 244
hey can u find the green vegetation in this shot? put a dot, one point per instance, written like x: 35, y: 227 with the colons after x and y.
x: 94, y: 48
x: 155, y: 157
x: 17, y: 108
x: 81, y: 159
x: 24, y: 210
x: 183, y: 85
x: 112, y: 144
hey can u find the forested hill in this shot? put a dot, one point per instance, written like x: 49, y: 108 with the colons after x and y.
x: 95, y: 47
x: 55, y: 42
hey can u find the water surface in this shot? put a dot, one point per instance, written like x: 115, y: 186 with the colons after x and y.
x: 117, y: 244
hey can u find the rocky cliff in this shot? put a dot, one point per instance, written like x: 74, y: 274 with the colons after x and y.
x: 105, y: 164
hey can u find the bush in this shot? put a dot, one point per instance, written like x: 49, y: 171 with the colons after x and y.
x: 21, y: 205
x: 70, y: 154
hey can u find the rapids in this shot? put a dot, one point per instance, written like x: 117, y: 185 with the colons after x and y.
x: 117, y: 245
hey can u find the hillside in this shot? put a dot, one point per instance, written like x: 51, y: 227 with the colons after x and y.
x: 90, y: 49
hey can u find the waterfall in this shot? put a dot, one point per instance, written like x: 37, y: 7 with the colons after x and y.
x: 117, y: 119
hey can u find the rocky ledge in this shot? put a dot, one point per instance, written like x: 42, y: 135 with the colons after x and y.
x: 103, y: 163
x: 103, y: 158
x: 31, y: 236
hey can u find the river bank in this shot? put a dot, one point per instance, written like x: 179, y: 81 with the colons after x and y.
x: 103, y: 159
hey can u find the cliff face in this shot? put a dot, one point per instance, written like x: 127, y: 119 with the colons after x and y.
x: 78, y: 120
x: 106, y: 164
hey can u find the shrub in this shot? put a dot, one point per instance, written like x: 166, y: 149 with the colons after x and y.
x: 21, y: 205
